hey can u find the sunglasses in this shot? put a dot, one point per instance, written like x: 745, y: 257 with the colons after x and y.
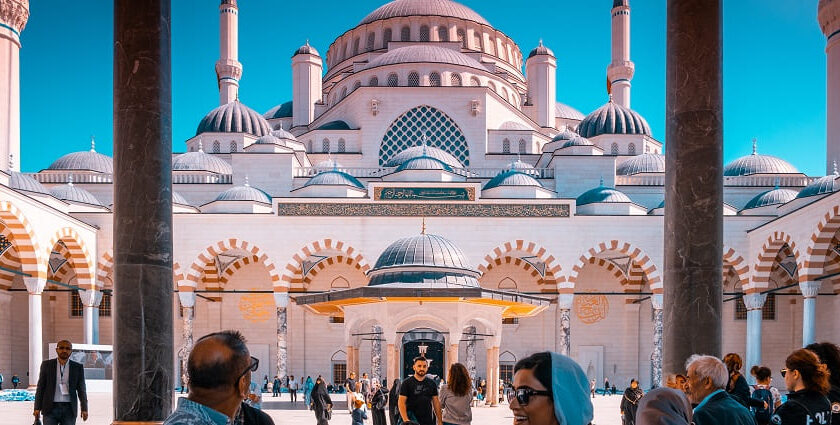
x: 784, y: 372
x: 255, y: 364
x: 523, y: 395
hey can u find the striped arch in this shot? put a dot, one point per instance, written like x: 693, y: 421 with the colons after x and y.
x: 26, y: 244
x: 178, y: 275
x: 819, y: 246
x: 234, y: 266
x: 547, y: 284
x: 734, y: 260
x: 338, y: 259
x: 637, y: 256
x: 10, y: 260
x: 497, y: 257
x: 204, y: 262
x: 293, y: 272
x: 79, y: 255
x: 104, y: 268
x: 767, y: 256
x: 612, y: 268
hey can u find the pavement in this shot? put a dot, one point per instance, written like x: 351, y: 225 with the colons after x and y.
x: 285, y: 412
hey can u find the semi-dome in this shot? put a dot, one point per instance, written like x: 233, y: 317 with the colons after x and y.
x: 561, y: 110
x: 244, y: 193
x: 513, y: 125
x: 334, y: 178
x: 613, y: 118
x: 522, y: 167
x: 820, y: 186
x: 644, y: 163
x: 404, y: 8
x: 424, y: 163
x: 84, y: 161
x: 283, y: 110
x: 423, y: 260
x: 306, y: 49
x: 540, y: 50
x: 425, y: 53
x: 282, y: 133
x: 602, y: 194
x: 179, y: 199
x: 234, y: 117
x: 268, y: 139
x: 771, y: 197
x: 328, y: 164
x: 200, y: 161
x: 24, y: 183
x: 564, y: 135
x: 73, y: 193
x: 577, y: 141
x: 423, y: 150
x: 512, y: 178
x: 758, y: 164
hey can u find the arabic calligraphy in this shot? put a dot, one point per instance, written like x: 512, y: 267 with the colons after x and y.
x: 591, y: 308
x: 424, y: 193
x: 257, y: 308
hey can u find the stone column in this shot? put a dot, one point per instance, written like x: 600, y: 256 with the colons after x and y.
x: 693, y: 182
x: 376, y: 354
x: 810, y: 290
x: 393, y: 360
x: 281, y: 299
x: 143, y: 325
x: 492, y: 376
x: 451, y: 357
x: 564, y: 336
x: 351, y: 360
x: 656, y: 355
x: 471, y: 362
x: 91, y: 299
x: 35, y: 287
x: 754, y: 303
x: 187, y: 299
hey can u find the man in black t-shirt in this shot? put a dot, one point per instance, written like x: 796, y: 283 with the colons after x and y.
x: 419, y: 397
x: 350, y: 387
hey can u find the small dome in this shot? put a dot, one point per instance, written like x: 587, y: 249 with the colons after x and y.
x: 200, y: 161
x: 283, y: 110
x: 644, y: 163
x: 613, y: 118
x: 84, y: 161
x: 771, y: 197
x: 425, y: 53
x: 327, y: 164
x: 758, y: 164
x: 522, y: 167
x: 70, y: 192
x: 511, y: 178
x: 281, y: 133
x: 422, y: 150
x: 540, y: 50
x: 268, y: 139
x: 561, y: 110
x: 22, y: 182
x: 422, y: 250
x: 424, y: 163
x: 513, y: 125
x: 244, y: 193
x: 179, y: 199
x: 822, y: 185
x: 334, y: 178
x: 306, y: 49
x: 602, y: 194
x: 577, y: 141
x: 233, y: 117
x: 335, y: 125
x: 404, y: 8
x: 565, y: 135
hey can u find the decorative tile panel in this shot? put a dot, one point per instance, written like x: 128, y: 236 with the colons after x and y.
x: 424, y: 193
x: 421, y: 210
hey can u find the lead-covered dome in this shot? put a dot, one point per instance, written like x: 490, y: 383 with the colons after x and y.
x: 424, y: 261
x: 644, y: 163
x: 306, y: 49
x: 283, y: 110
x: 424, y: 163
x: 179, y: 199
x: 334, y: 178
x: 244, y: 193
x: 425, y: 53
x: 771, y: 197
x: 561, y: 110
x: 404, y: 8
x: 70, y: 192
x: 423, y: 150
x: 22, y: 182
x: 820, y: 186
x: 84, y: 161
x: 200, y: 161
x: 613, y: 118
x: 540, y: 50
x: 758, y: 164
x: 511, y: 177
x: 602, y: 195
x: 234, y: 117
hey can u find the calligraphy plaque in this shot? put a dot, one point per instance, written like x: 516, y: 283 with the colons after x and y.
x: 399, y: 209
x: 424, y: 194
x: 591, y: 308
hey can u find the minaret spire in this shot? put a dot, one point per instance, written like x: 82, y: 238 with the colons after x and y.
x: 755, y: 146
x: 228, y: 68
x: 621, y: 68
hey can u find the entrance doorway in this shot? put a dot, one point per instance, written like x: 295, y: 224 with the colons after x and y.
x: 426, y: 342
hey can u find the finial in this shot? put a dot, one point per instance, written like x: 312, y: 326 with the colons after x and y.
x: 602, y: 181
x: 92, y: 144
x: 423, y: 226
x: 200, y: 146
x: 834, y: 164
x: 424, y: 149
x: 247, y: 184
x: 541, y: 42
x: 70, y: 180
x: 611, y: 98
x: 307, y: 42
x: 12, y: 163
x: 755, y: 146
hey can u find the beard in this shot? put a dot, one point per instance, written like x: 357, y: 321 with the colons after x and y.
x: 420, y: 373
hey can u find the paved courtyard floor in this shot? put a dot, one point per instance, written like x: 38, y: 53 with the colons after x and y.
x: 285, y: 413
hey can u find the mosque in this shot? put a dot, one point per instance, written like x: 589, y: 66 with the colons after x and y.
x: 420, y: 193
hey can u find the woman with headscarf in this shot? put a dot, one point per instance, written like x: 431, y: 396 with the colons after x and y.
x: 393, y: 398
x: 550, y: 389
x: 307, y: 391
x: 378, y: 403
x: 664, y: 406
x: 630, y: 402
x: 321, y: 402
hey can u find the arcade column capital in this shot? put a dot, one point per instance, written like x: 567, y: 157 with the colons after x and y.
x: 810, y: 289
x: 754, y: 301
x: 90, y: 297
x: 187, y: 299
x: 14, y: 13
x: 281, y: 299
x: 565, y: 301
x: 35, y: 285
x: 657, y: 301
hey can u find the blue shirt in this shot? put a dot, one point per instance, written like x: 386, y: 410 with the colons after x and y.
x: 189, y: 412
x: 706, y: 400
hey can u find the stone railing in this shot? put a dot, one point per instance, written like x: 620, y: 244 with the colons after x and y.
x: 641, y: 180
x: 375, y: 172
x: 756, y: 180
x: 177, y: 178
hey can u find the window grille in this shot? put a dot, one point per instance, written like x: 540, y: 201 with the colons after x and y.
x: 342, y: 145
x: 336, y: 319
x: 443, y: 34
x: 370, y: 41
x: 217, y: 147
x: 510, y: 321
x: 475, y: 82
x: 434, y: 79
x: 405, y: 34
x: 492, y: 85
x: 232, y: 146
x: 344, y: 52
x: 325, y: 146
x: 77, y: 309
x: 105, y: 305
x: 505, y: 94
x: 374, y: 81
x: 506, y: 372
x: 477, y: 41
x: 409, y: 129
x: 506, y: 146
x: 614, y: 149
x: 413, y: 79
x: 455, y: 79
x: 424, y: 33
x: 386, y: 37
x: 462, y: 38
x: 631, y: 149
x: 393, y: 80
x: 343, y: 93
x: 768, y: 310
x: 523, y: 148
x: 339, y: 372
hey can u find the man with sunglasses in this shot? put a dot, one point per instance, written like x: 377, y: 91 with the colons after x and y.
x: 219, y: 373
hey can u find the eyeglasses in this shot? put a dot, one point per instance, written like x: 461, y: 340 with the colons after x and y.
x: 523, y: 395
x: 255, y: 364
x: 784, y: 372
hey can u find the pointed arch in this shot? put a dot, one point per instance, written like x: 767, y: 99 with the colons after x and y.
x: 767, y: 256
x: 294, y: 270
x: 541, y: 254
x: 80, y: 258
x: 104, y: 268
x: 24, y: 240
x: 639, y: 257
x: 208, y: 255
x: 734, y: 260
x: 820, y: 245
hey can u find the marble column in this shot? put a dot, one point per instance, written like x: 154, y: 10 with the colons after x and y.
x: 656, y: 356
x: 35, y: 287
x: 693, y: 182
x: 187, y: 299
x: 392, y: 368
x: 810, y: 290
x: 90, y: 300
x: 451, y: 357
x: 376, y: 353
x: 754, y: 303
x: 564, y: 334
x: 281, y: 300
x: 143, y: 323
x: 492, y: 376
x: 469, y: 332
x: 351, y: 361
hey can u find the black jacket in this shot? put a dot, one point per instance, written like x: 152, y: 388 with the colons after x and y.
x: 45, y: 392
x: 254, y: 416
x: 722, y: 409
x: 834, y: 398
x: 803, y: 407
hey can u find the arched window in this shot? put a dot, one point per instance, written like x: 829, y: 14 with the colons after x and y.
x: 502, y: 53
x: 507, y: 283
x: 232, y: 146
x: 492, y: 85
x: 631, y: 149
x: 462, y: 38
x: 440, y: 131
x: 374, y: 81
x: 339, y: 283
x: 343, y: 93
x: 434, y: 79
x: 413, y: 79
x: 443, y: 33
x: 217, y: 147
x: 614, y: 149
x: 356, y: 85
x: 342, y: 146
x: 475, y: 82
x: 647, y: 149
x: 523, y: 148
x: 505, y: 93
x: 393, y: 80
x: 356, y: 46
x: 370, y: 40
x: 344, y: 52
x: 455, y: 79
x: 325, y: 146
x: 477, y: 41
x: 405, y: 34
x: 386, y: 37
x: 424, y: 33
x: 506, y: 146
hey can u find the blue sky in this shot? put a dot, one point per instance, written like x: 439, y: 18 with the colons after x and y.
x: 774, y: 66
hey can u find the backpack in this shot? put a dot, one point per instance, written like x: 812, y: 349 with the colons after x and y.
x: 762, y: 414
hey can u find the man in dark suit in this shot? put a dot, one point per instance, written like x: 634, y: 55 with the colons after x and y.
x: 60, y: 383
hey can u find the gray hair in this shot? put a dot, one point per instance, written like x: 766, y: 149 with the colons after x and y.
x: 709, y: 367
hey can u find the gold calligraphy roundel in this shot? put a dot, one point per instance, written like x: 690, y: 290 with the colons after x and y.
x: 591, y: 308
x: 256, y: 308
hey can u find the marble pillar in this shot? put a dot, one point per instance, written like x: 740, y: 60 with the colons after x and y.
x: 376, y: 353
x: 492, y: 376
x: 754, y: 303
x: 35, y: 287
x: 693, y: 182
x: 656, y: 356
x: 564, y: 331
x: 281, y: 300
x: 351, y: 361
x: 143, y: 323
x: 392, y: 368
x: 187, y: 300
x: 90, y: 300
x: 451, y: 357
x: 810, y: 290
x: 469, y: 332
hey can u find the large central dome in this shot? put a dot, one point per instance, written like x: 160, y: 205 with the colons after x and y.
x: 423, y: 261
x: 402, y: 8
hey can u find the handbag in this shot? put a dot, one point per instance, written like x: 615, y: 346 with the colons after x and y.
x: 328, y: 413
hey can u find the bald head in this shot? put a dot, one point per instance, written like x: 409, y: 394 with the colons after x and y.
x: 217, y: 360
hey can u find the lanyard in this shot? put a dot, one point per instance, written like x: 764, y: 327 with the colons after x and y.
x: 61, y: 370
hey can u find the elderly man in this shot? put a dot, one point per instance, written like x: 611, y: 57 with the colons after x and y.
x: 219, y: 370
x: 707, y: 379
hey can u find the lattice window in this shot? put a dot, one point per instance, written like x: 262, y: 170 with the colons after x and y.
x: 370, y: 41
x: 506, y: 146
x: 475, y: 82
x: 342, y: 146
x: 413, y: 79
x: 768, y: 310
x: 434, y: 79
x: 77, y: 309
x: 105, y: 305
x: 217, y: 147
x: 325, y: 146
x: 462, y: 38
x: 631, y: 149
x: 523, y: 146
x: 405, y: 34
x: 505, y: 93
x: 477, y: 41
x: 506, y: 371
x: 344, y: 52
x: 232, y: 146
x: 455, y: 79
x: 424, y: 33
x: 339, y: 372
x: 374, y: 81
x: 614, y: 149
x: 438, y: 128
x: 492, y: 85
x: 386, y: 37
x: 5, y: 244
x: 393, y: 80
x: 443, y: 34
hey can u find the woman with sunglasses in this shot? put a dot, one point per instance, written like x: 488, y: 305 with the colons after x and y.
x: 456, y: 396
x: 807, y: 380
x: 321, y: 402
x: 829, y: 355
x: 550, y: 389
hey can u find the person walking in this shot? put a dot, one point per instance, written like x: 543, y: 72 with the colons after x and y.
x: 393, y: 402
x: 307, y: 391
x: 606, y: 386
x: 806, y: 379
x: 265, y: 385
x: 293, y: 388
x: 321, y: 402
x: 419, y: 400
x: 15, y: 381
x: 550, y: 389
x: 456, y: 396
x: 829, y: 355
x: 60, y: 383
x: 630, y: 402
x: 592, y: 388
x: 365, y: 390
x: 764, y: 392
x: 349, y: 387
x: 378, y: 404
x: 275, y: 386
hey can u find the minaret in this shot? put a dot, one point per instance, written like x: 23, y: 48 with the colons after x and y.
x: 307, y: 68
x: 621, y: 69
x: 13, y: 17
x: 828, y: 14
x: 541, y: 74
x: 228, y: 68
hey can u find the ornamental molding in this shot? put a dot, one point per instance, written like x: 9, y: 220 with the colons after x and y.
x: 14, y: 13
x: 621, y: 70
x: 229, y: 69
x: 810, y: 289
x: 422, y: 210
x: 828, y: 16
